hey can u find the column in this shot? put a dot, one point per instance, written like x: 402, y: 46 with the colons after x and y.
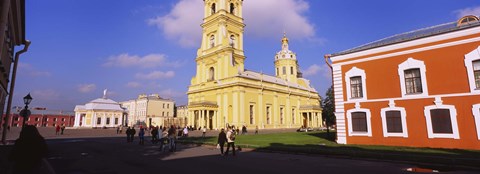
x: 200, y: 121
x: 77, y: 120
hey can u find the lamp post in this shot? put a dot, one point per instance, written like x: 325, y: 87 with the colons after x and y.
x: 25, y: 112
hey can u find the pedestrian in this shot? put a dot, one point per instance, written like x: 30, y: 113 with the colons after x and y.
x: 57, y: 129
x: 132, y: 134
x: 29, y: 151
x: 222, y: 138
x: 185, y: 131
x: 141, y: 136
x: 118, y: 129
x: 204, y: 131
x: 256, y: 130
x: 62, y: 129
x: 163, y: 139
x: 230, y: 141
x: 154, y: 135
x: 244, y: 130
x: 172, y: 136
x: 128, y: 132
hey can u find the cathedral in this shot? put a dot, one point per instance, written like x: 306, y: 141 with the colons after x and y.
x: 224, y: 93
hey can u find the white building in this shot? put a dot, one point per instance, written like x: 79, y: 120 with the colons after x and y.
x: 149, y: 110
x: 101, y: 112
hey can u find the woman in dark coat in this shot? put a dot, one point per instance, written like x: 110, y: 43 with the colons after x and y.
x: 222, y: 138
x: 28, y: 152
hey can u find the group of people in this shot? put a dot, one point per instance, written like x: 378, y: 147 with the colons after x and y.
x: 160, y: 135
x: 59, y: 129
x: 227, y: 137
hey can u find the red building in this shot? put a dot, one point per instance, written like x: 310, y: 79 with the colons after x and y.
x: 418, y: 89
x: 41, y: 117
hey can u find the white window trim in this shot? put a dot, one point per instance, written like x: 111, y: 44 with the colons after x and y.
x: 403, y: 115
x: 349, y: 119
x: 353, y: 73
x: 476, y: 115
x: 469, y: 58
x: 411, y: 63
x: 453, y: 118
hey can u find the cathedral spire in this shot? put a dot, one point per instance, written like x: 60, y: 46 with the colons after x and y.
x: 284, y: 41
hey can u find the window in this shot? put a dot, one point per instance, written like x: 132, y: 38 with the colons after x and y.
x: 356, y: 87
x: 213, y: 10
x: 168, y: 113
x: 284, y: 70
x: 212, y: 41
x: 164, y: 105
x: 99, y: 121
x: 37, y: 119
x: 163, y: 113
x: 441, y: 120
x: 277, y: 72
x: 293, y: 116
x: 476, y: 115
x: 358, y: 121
x: 476, y: 73
x: 281, y: 115
x: 291, y: 70
x: 232, y: 8
x: 108, y: 121
x: 251, y: 114
x: 394, y: 121
x: 413, y: 81
x: 232, y: 41
x: 54, y: 119
x: 116, y: 121
x: 63, y: 119
x: 211, y: 74
x: 268, y: 114
x: 168, y: 105
x: 472, y: 63
x: 355, y: 84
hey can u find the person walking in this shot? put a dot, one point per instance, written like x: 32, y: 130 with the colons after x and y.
x: 57, y: 129
x: 118, y: 129
x: 172, y: 136
x: 141, y: 136
x: 222, y: 138
x: 29, y: 151
x: 204, y: 131
x: 230, y: 141
x: 256, y: 130
x: 185, y: 131
x: 132, y: 134
x: 128, y: 132
x: 62, y: 129
x: 154, y: 135
x: 244, y: 130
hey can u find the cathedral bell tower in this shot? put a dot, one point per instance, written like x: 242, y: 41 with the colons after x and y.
x: 221, y: 53
x: 286, y: 66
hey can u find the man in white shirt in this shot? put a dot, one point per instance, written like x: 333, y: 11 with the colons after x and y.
x: 230, y: 141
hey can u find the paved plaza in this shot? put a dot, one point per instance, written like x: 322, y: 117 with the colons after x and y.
x: 102, y: 151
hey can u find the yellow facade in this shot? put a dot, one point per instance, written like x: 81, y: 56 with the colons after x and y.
x: 223, y: 93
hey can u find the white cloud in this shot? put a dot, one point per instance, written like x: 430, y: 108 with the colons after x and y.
x: 468, y: 11
x: 46, y: 94
x: 155, y: 75
x: 29, y: 70
x: 148, y: 61
x: 133, y: 84
x: 314, y: 69
x: 86, y: 88
x: 182, y: 24
x: 170, y: 93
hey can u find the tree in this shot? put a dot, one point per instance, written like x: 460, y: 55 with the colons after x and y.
x: 328, y: 110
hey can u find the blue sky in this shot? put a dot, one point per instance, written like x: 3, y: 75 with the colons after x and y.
x: 131, y: 47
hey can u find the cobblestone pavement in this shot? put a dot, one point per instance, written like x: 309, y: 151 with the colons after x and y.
x: 102, y: 151
x: 49, y: 132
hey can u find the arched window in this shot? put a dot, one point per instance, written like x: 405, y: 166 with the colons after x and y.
x: 232, y: 8
x: 232, y: 40
x: 211, y: 74
x: 213, y: 8
x: 212, y: 41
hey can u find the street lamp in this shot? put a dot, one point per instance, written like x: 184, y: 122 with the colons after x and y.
x: 25, y: 112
